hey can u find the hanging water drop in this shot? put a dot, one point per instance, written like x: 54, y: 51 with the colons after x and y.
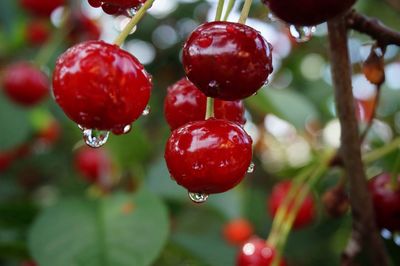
x: 94, y: 138
x: 198, y: 197
x: 147, y: 110
x: 301, y: 34
x: 251, y: 168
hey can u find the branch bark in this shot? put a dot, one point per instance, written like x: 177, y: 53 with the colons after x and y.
x: 365, y: 233
x: 374, y: 28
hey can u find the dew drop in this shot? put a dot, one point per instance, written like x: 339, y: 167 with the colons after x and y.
x: 94, y: 138
x: 147, y: 110
x: 213, y: 84
x: 205, y: 41
x: 131, y: 12
x: 198, y: 197
x: 301, y: 34
x: 272, y: 17
x: 251, y: 168
x: 122, y: 130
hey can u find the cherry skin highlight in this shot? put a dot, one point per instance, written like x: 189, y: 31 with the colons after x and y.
x: 386, y: 201
x: 25, y: 84
x: 210, y: 156
x: 306, y: 212
x: 184, y: 103
x: 41, y: 7
x: 307, y: 12
x: 256, y: 252
x: 100, y: 86
x: 228, y: 61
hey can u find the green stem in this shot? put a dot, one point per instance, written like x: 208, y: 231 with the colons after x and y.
x: 245, y: 11
x: 210, y: 108
x: 47, y: 51
x: 220, y: 7
x: 395, y: 173
x: 229, y: 9
x: 132, y: 23
x: 381, y: 152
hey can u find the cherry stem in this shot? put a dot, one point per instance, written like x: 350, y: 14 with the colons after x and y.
x: 394, y: 180
x: 133, y: 22
x: 210, y: 108
x: 220, y: 7
x: 381, y: 152
x: 229, y: 9
x: 47, y: 51
x: 245, y: 11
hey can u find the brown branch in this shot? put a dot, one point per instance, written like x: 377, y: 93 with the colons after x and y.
x: 374, y: 28
x: 365, y: 233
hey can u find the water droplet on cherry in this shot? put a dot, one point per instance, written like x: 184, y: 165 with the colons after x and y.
x: 122, y: 130
x: 251, y: 168
x: 94, y: 138
x: 272, y: 17
x: 147, y: 110
x: 205, y: 41
x: 301, y: 34
x: 198, y: 197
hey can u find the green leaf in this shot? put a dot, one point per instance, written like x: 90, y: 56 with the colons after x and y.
x: 15, y: 123
x: 120, y: 230
x: 284, y: 103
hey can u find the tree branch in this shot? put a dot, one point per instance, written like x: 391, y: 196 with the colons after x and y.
x: 365, y: 232
x: 374, y: 28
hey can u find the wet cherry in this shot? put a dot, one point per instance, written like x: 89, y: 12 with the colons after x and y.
x: 116, y: 6
x: 228, y: 61
x: 210, y: 156
x: 306, y: 212
x: 93, y: 164
x: 256, y: 252
x: 42, y: 7
x: 386, y: 201
x: 25, y: 84
x: 184, y: 103
x: 307, y: 12
x: 100, y: 86
x: 237, y: 231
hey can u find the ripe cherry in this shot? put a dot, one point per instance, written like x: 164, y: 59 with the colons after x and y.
x: 386, y: 201
x: 306, y: 212
x: 25, y: 84
x: 6, y: 159
x: 37, y: 32
x: 307, y: 12
x: 116, y: 6
x: 100, y: 86
x: 256, y: 252
x: 83, y: 28
x: 210, y: 156
x: 184, y: 103
x: 228, y: 61
x: 237, y: 231
x: 42, y: 7
x: 93, y: 164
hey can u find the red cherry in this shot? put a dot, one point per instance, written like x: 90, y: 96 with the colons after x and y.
x: 25, y: 84
x: 306, y: 212
x: 237, y: 231
x: 257, y: 252
x: 83, y: 28
x: 226, y: 60
x: 42, y: 7
x: 37, y: 32
x: 29, y: 263
x: 100, y: 86
x: 307, y: 12
x: 185, y: 103
x: 386, y: 201
x: 49, y: 134
x: 95, y: 3
x: 210, y: 156
x: 6, y: 159
x: 93, y: 164
x: 113, y: 7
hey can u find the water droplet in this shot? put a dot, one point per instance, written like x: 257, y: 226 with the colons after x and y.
x: 122, y: 130
x: 272, y: 17
x: 94, y: 138
x: 198, y: 197
x: 301, y: 34
x: 147, y: 110
x: 231, y: 28
x: 213, y: 84
x: 266, y: 83
x: 131, y: 12
x: 251, y: 168
x: 205, y: 41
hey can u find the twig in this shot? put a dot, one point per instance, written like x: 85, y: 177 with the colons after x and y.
x: 364, y: 226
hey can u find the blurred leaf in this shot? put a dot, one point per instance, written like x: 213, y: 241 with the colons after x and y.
x: 284, y: 103
x: 120, y: 230
x: 15, y: 126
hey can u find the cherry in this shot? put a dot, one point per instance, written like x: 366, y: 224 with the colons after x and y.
x: 306, y: 212
x: 237, y: 231
x: 93, y: 164
x: 37, y: 32
x: 100, y: 86
x: 256, y: 252
x: 49, y: 134
x: 113, y: 7
x: 42, y: 7
x: 386, y: 201
x: 210, y: 156
x: 307, y: 12
x: 25, y: 84
x: 6, y: 159
x: 83, y: 28
x: 185, y: 103
x: 228, y: 61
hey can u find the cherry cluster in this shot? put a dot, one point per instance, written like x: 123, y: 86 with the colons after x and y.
x: 114, y: 7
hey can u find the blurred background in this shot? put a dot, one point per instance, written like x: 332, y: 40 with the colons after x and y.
x: 49, y: 180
